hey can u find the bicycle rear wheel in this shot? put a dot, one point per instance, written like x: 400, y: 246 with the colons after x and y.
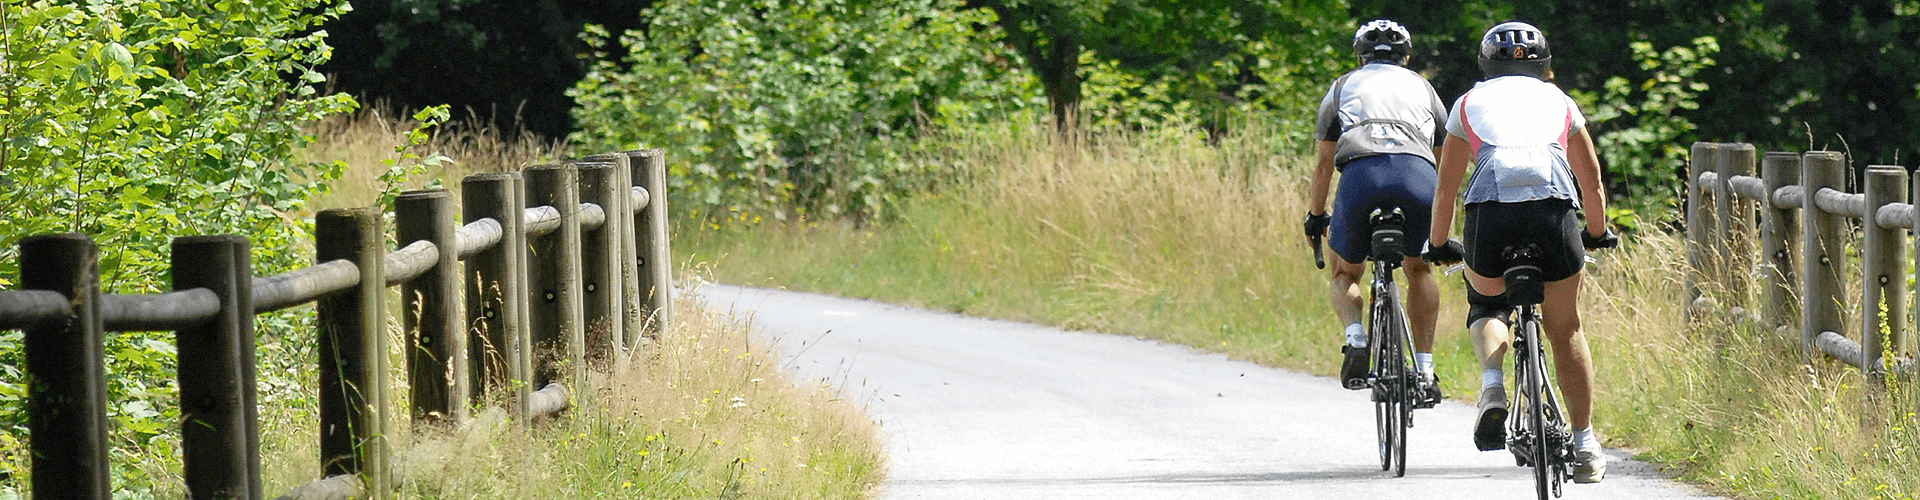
x: 1534, y: 386
x: 1390, y: 391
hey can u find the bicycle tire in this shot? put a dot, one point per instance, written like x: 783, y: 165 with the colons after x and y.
x: 1535, y: 387
x: 1399, y: 389
x: 1392, y: 398
x: 1385, y: 416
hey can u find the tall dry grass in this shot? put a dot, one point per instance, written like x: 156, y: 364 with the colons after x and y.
x: 1170, y: 234
x: 366, y: 138
x: 700, y: 412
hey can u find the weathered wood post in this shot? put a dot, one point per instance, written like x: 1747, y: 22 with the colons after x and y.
x: 1914, y: 195
x: 554, y: 276
x: 1702, y: 234
x: 1780, y: 241
x: 650, y: 230
x: 602, y: 255
x: 66, y: 370
x: 353, y: 354
x: 437, y: 357
x: 1736, y: 221
x: 1823, y: 251
x: 1883, y: 254
x: 219, y: 430
x: 497, y: 352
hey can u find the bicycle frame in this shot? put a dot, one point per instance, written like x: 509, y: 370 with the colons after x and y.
x: 1538, y: 432
x: 1538, y: 404
x: 1391, y: 378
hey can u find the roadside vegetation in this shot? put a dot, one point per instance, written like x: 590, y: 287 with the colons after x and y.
x: 1168, y: 235
x: 700, y: 412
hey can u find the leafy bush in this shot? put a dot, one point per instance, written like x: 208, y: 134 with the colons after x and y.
x: 1641, y: 136
x: 769, y: 104
x: 135, y: 121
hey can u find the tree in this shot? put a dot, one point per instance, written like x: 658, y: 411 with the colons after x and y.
x: 1213, y: 49
x: 507, y: 61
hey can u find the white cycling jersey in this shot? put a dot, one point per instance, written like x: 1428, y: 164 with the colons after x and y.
x: 1517, y: 127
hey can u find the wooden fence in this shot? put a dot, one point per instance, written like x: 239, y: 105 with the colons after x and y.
x: 1799, y: 215
x: 566, y: 265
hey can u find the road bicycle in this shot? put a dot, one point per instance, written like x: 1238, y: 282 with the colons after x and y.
x: 1537, y: 430
x: 1395, y: 386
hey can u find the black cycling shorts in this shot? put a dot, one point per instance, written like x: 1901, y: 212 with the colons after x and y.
x: 1491, y: 228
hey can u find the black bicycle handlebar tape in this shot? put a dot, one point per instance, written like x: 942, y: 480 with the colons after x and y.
x: 1315, y: 226
x: 1319, y: 260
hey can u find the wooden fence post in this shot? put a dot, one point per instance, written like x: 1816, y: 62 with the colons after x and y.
x: 353, y: 354
x: 554, y: 277
x: 498, y: 347
x: 1702, y: 236
x: 602, y: 255
x: 1913, y: 194
x: 1780, y: 241
x: 219, y: 430
x: 430, y: 303
x: 1736, y: 221
x: 1883, y: 281
x: 1823, y: 251
x: 66, y: 358
x: 650, y: 229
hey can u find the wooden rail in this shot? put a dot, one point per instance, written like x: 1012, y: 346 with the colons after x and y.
x: 1799, y: 211
x: 512, y: 319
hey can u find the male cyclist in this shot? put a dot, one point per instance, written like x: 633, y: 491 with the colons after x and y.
x: 1534, y: 173
x: 1377, y: 126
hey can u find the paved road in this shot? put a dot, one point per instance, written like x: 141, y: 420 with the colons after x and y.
x: 985, y: 409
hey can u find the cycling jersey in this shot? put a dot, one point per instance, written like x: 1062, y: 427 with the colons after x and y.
x: 1517, y: 128
x: 1380, y: 108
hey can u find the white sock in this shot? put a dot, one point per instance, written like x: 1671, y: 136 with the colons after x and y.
x: 1583, y: 438
x: 1356, y: 336
x: 1492, y: 378
x: 1424, y: 362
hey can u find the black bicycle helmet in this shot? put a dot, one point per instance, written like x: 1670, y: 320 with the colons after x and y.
x: 1382, y: 40
x: 1514, y: 48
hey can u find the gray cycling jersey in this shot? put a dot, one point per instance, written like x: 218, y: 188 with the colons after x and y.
x: 1381, y: 108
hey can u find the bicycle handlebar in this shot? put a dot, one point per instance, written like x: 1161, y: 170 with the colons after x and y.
x: 1457, y: 267
x: 1319, y: 259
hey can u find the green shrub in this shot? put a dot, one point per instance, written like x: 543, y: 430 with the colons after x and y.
x: 135, y: 121
x: 768, y: 106
x: 1640, y: 131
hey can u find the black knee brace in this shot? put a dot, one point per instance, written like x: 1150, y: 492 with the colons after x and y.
x: 1492, y: 307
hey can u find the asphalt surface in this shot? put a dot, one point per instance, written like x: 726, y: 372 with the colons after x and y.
x: 984, y: 409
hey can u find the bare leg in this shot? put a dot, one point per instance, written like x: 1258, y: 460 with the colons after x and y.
x: 1423, y: 302
x: 1344, y: 289
x: 1573, y: 365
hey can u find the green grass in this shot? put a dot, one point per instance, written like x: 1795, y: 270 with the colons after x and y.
x: 1167, y: 235
x: 702, y: 412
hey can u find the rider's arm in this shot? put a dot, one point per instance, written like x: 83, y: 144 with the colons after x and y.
x: 1453, y: 167
x: 1586, y: 170
x: 1322, y: 178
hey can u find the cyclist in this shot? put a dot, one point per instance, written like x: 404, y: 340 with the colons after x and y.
x: 1534, y: 173
x: 1377, y: 126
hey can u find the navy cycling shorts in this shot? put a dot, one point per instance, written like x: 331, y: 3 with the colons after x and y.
x: 1381, y: 181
